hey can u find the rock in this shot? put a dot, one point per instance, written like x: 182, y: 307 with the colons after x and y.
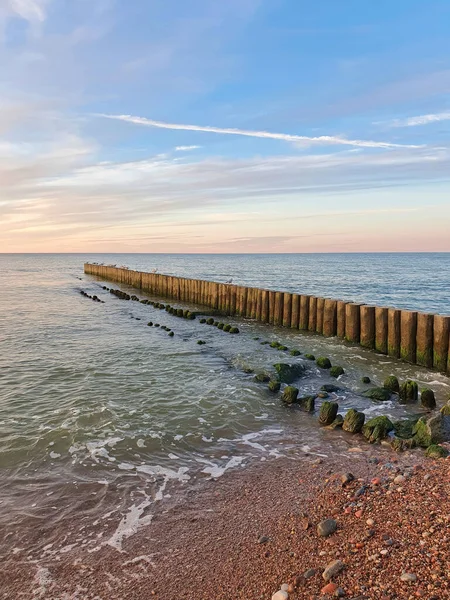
x: 234, y: 330
x: 427, y: 399
x: 339, y: 593
x: 445, y: 410
x: 329, y: 589
x: 248, y: 370
x: 347, y: 478
x: 391, y: 383
x: 380, y: 394
x: 284, y: 587
x: 280, y: 595
x: 274, y: 386
x: 323, y: 362
x: 404, y: 428
x: 399, y: 479
x: 150, y: 324
x: 171, y: 334
x: 262, y: 378
x: 227, y: 327
x: 330, y: 388
x: 323, y: 395
x: 435, y: 451
x: 328, y: 412
x: 307, y: 403
x: 263, y: 539
x: 409, y: 392
x: 365, y: 379
x: 210, y: 321
x: 336, y: 371
x: 295, y: 352
x: 309, y: 573
x: 337, y: 423
x: 274, y: 344
x: 281, y: 347
x: 216, y: 324
x: 290, y: 394
x: 408, y: 577
x: 202, y: 321
x: 327, y: 527
x: 434, y: 430
x: 179, y: 312
x: 310, y: 357
x: 288, y: 373
x: 220, y: 325
x: 332, y: 569
x: 353, y: 421
x: 201, y: 342
x: 377, y: 428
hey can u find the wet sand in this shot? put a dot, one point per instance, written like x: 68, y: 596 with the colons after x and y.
x: 245, y: 535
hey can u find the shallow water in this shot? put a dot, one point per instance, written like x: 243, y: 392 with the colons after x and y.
x: 100, y: 414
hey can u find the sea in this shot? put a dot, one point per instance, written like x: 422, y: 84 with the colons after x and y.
x: 103, y: 418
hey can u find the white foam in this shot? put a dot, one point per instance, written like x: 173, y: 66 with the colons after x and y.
x: 42, y: 579
x: 140, y: 444
x: 55, y: 455
x: 216, y: 471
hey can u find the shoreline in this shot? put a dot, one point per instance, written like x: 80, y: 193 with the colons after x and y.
x: 211, y: 542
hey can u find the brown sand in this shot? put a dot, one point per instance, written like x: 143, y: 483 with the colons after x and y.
x: 207, y: 546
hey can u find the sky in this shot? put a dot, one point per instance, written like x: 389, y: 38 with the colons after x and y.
x: 238, y: 126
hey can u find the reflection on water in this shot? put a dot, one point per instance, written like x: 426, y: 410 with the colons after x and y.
x: 101, y: 414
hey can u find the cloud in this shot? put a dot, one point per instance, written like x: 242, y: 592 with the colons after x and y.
x: 186, y: 148
x: 323, y: 139
x: 30, y: 10
x: 420, y: 120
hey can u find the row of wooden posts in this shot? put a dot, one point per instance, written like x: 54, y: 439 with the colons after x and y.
x: 418, y: 338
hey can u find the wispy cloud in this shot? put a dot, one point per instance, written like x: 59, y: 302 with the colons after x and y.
x: 421, y: 120
x: 30, y: 10
x: 186, y: 148
x: 322, y: 139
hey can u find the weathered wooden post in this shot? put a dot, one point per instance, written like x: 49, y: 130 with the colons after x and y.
x: 441, y: 331
x: 278, y: 313
x: 319, y: 315
x: 408, y: 335
x: 271, y: 307
x: 295, y: 311
x: 394, y: 332
x: 367, y: 334
x: 265, y: 306
x: 330, y: 318
x: 381, y: 329
x: 312, y: 313
x: 352, y: 322
x: 303, y: 320
x: 287, y: 309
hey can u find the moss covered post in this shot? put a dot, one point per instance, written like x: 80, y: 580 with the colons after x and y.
x: 381, y: 329
x: 352, y: 322
x: 319, y: 315
x: 424, y: 340
x: 329, y: 318
x: 441, y: 331
x: 408, y: 335
x: 312, y: 316
x: 394, y: 332
x: 295, y: 311
x: 303, y: 320
x: 367, y: 336
x: 287, y: 309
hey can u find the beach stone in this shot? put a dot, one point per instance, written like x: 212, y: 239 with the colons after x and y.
x: 263, y: 539
x: 290, y: 394
x: 380, y: 394
x: 377, y: 428
x: 399, y: 479
x: 347, y: 478
x: 323, y: 362
x: 262, y: 378
x: 435, y: 451
x: 288, y: 373
x: 339, y: 593
x: 365, y: 379
x: 408, y: 577
x: 409, y: 392
x: 307, y: 403
x: 434, y: 430
x: 336, y: 371
x: 309, y: 573
x: 310, y: 357
x: 333, y: 569
x: 427, y: 399
x: 328, y: 412
x: 280, y: 595
x: 353, y: 421
x: 337, y: 423
x: 330, y: 588
x: 274, y: 386
x: 327, y: 527
x: 285, y: 587
x: 330, y: 388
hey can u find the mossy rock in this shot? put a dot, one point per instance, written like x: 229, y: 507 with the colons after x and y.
x: 377, y: 429
x: 336, y: 371
x: 216, y: 323
x: 168, y: 329
x: 435, y: 451
x: 428, y: 399
x: 445, y: 410
x: 256, y: 338
x: 380, y: 394
x: 227, y: 327
x: 234, y: 330
x: 179, y: 312
x: 190, y: 316
x: 248, y: 370
x: 307, y: 403
x: 288, y: 373
x: 432, y: 430
x: 274, y: 344
x: 171, y: 334
x: 328, y: 412
x: 391, y: 383
x: 310, y: 357
x: 283, y: 348
x: 201, y: 342
x: 210, y: 321
x: 400, y: 444
x: 150, y: 324
x: 262, y: 377
x: 162, y: 307
x: 323, y: 395
x: 220, y: 325
x: 353, y: 421
x: 404, y: 428
x: 337, y: 423
x: 274, y: 386
x: 365, y: 379
x: 409, y: 392
x: 295, y: 352
x: 265, y: 343
x: 157, y: 325
x: 290, y: 394
x: 202, y: 321
x: 330, y: 388
x: 323, y: 362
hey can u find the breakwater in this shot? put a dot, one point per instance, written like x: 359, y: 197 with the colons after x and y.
x: 415, y: 337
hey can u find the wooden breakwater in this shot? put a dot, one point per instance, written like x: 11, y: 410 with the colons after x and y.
x: 415, y: 337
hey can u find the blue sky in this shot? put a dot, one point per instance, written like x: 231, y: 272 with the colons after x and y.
x: 237, y: 126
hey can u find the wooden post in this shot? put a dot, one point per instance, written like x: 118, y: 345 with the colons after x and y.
x: 367, y: 335
x: 271, y: 307
x: 394, y: 332
x: 424, y: 340
x: 381, y: 329
x: 287, y: 309
x: 441, y: 331
x: 312, y: 313
x: 340, y: 319
x: 265, y: 306
x: 319, y: 315
x: 232, y: 299
x: 330, y: 318
x: 408, y: 335
x: 254, y: 302
x: 259, y: 305
x: 352, y: 322
x: 278, y: 313
x: 295, y: 311
x: 303, y: 320
x: 249, y: 303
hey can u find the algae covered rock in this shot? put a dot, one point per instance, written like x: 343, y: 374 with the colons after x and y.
x: 310, y: 357
x: 409, y: 392
x: 171, y: 334
x: 227, y: 327
x: 353, y: 421
x: 323, y: 362
x: 290, y: 394
x: 365, y: 379
x: 433, y: 430
x: 262, y: 377
x: 391, y: 383
x: 288, y: 373
x: 274, y: 344
x: 190, y: 316
x: 337, y: 423
x: 150, y: 324
x: 445, y: 410
x: 380, y: 394
x: 307, y: 403
x: 220, y: 325
x: 400, y: 444
x: 210, y: 321
x: 234, y: 330
x: 377, y: 428
x: 281, y: 347
x: 435, y: 451
x: 427, y: 399
x: 328, y: 412
x: 274, y: 386
x: 404, y: 428
x: 336, y: 371
x: 201, y: 342
x: 202, y: 321
x: 216, y: 323
x: 179, y: 312
x: 330, y: 387
x: 295, y: 352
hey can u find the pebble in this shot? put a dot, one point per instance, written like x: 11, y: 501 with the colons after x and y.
x: 339, y: 593
x: 347, y: 478
x: 309, y: 573
x: 284, y: 587
x: 370, y: 522
x: 327, y: 527
x: 409, y: 577
x: 399, y: 479
x: 332, y: 569
x: 280, y: 595
x: 263, y: 539
x: 330, y: 588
